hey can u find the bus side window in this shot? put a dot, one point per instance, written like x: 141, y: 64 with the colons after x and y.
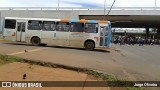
x: 62, y: 26
x: 77, y: 27
x: 91, y: 28
x: 10, y: 23
x: 48, y: 26
x: 34, y: 25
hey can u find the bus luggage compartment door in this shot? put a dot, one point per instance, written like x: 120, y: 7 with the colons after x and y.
x: 20, y: 35
x: 103, y: 36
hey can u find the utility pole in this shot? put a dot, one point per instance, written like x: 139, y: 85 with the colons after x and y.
x: 104, y: 18
x: 58, y: 10
x: 155, y: 3
x: 58, y: 4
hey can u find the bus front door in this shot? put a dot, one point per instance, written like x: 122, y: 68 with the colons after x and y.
x: 20, y: 35
x: 103, y: 36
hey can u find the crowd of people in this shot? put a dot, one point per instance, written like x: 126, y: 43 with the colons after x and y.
x: 130, y: 40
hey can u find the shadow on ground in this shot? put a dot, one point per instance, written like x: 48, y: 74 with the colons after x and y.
x: 60, y: 47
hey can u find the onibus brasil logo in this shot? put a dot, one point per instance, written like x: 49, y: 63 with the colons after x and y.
x: 20, y: 84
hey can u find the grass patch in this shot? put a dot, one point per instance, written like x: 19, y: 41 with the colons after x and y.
x: 0, y: 34
x: 103, y: 76
x: 9, y: 59
x: 3, y: 62
x: 4, y: 59
x: 136, y: 88
x: 112, y: 79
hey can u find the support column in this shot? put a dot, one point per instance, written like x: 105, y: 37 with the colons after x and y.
x: 113, y: 33
x: 147, y: 32
x: 158, y: 33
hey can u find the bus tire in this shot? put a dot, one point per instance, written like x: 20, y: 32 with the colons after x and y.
x: 35, y: 41
x: 89, y: 45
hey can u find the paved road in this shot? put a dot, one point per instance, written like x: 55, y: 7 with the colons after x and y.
x: 129, y: 62
x: 143, y: 60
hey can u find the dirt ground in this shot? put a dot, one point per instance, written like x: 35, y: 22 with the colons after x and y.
x: 15, y: 71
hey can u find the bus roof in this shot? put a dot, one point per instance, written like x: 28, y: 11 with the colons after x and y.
x: 61, y: 20
x: 21, y: 18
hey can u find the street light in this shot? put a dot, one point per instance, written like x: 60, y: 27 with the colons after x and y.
x: 155, y: 3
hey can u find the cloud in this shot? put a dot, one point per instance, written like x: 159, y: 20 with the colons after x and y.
x: 135, y: 3
x: 85, y: 3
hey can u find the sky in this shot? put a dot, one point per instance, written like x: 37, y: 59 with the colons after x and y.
x: 78, y: 3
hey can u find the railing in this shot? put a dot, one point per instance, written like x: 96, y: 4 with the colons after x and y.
x: 78, y: 8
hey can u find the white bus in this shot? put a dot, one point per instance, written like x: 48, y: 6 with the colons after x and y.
x: 89, y: 34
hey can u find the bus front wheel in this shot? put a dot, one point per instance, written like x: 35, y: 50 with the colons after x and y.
x: 35, y: 41
x: 89, y: 45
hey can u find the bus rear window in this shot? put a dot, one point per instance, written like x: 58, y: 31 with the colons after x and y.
x: 10, y: 23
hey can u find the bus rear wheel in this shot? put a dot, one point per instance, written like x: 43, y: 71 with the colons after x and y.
x: 89, y: 45
x: 35, y: 41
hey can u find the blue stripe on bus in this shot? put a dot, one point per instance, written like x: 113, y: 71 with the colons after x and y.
x: 92, y: 21
x: 74, y: 20
x: 3, y: 28
x: 109, y: 35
